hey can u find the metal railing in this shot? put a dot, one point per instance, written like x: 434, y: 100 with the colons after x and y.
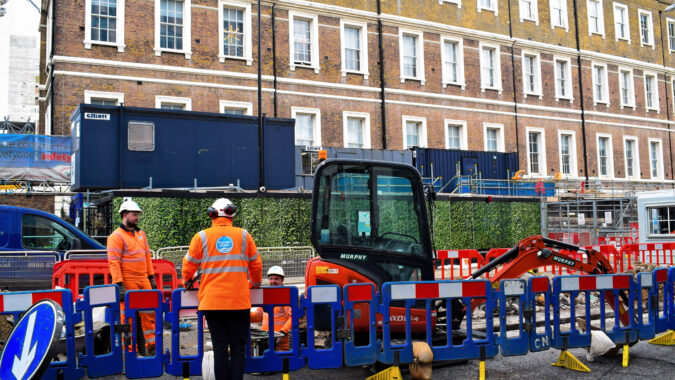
x: 86, y: 254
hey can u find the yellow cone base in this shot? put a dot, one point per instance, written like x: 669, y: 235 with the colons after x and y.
x: 567, y: 360
x: 625, y: 355
x: 481, y: 370
x: 667, y: 339
x: 391, y: 373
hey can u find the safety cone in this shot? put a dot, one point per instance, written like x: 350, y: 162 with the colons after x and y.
x: 667, y: 339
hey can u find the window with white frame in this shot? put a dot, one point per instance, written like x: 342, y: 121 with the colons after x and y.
x: 411, y: 55
x: 536, y: 152
x: 600, y: 87
x: 354, y: 52
x: 661, y: 220
x: 488, y: 5
x: 558, y: 10
x: 655, y: 158
x: 596, y: 23
x: 621, y: 28
x: 172, y: 26
x: 493, y: 137
x: 307, y: 126
x: 605, y: 156
x: 651, y: 92
x: 104, y: 23
x: 490, y: 68
x: 563, y: 78
x: 626, y: 88
x: 646, y: 28
x: 173, y: 103
x: 671, y: 34
x: 304, y: 46
x: 528, y: 11
x: 236, y: 108
x: 452, y: 55
x: 455, y: 134
x: 103, y: 98
x: 414, y: 132
x: 531, y: 74
x: 568, y: 156
x: 235, y: 31
x: 356, y: 130
x: 632, y: 157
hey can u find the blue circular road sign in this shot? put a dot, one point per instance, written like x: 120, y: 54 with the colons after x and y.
x: 30, y: 347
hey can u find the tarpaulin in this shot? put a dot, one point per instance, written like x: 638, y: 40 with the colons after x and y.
x: 35, y: 158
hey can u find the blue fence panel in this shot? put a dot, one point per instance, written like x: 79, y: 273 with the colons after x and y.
x: 645, y: 283
x: 323, y: 301
x: 669, y: 295
x: 144, y: 301
x: 356, y: 297
x: 514, y: 345
x: 540, y: 286
x: 663, y: 304
x: 184, y: 300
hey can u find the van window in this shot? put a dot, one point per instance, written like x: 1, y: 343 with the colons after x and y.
x: 4, y: 228
x: 42, y: 233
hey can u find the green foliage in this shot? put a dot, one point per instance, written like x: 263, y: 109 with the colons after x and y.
x: 277, y: 222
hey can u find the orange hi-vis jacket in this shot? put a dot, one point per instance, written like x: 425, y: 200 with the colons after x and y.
x: 282, y: 318
x: 230, y: 266
x: 129, y: 255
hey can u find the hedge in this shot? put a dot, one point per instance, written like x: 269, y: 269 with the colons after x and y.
x: 277, y: 222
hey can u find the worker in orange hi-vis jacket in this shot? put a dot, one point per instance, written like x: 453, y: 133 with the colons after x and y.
x: 282, y: 314
x: 230, y: 266
x: 130, y: 262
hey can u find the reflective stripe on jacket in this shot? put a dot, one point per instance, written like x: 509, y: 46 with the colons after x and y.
x: 129, y: 255
x: 282, y: 318
x: 230, y: 265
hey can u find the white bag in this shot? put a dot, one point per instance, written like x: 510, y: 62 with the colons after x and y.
x: 208, y: 369
x: 600, y: 345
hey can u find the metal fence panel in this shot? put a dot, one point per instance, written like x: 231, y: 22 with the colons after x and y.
x: 27, y: 270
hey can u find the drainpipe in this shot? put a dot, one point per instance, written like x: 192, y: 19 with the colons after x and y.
x: 261, y: 143
x: 513, y: 78
x: 581, y: 91
x: 663, y: 57
x: 383, y: 107
x: 274, y: 55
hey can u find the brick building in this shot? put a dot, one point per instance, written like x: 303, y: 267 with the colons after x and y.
x: 583, y: 88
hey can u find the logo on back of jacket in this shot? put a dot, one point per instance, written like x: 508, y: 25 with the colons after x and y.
x: 224, y: 244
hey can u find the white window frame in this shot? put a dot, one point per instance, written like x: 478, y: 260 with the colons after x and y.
x: 420, y: 55
x: 631, y: 88
x: 605, y: 91
x: 636, y: 157
x: 651, y: 28
x: 457, y: 2
x: 500, y: 136
x: 655, y: 93
x: 610, y: 155
x: 626, y: 22
x: 601, y: 18
x: 563, y: 4
x: 119, y: 30
x: 669, y: 21
x: 568, y: 82
x: 159, y: 99
x: 89, y: 94
x: 460, y: 62
x: 574, y: 169
x: 660, y: 168
x: 463, y: 141
x: 248, y: 51
x: 498, y: 66
x: 364, y: 47
x: 247, y: 106
x: 542, y: 151
x: 535, y: 12
x: 365, y: 116
x: 495, y: 6
x: 423, y: 131
x: 316, y: 128
x: 187, y: 30
x: 314, y: 48
x: 537, y: 68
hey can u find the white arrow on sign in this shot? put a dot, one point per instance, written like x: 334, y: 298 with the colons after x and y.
x: 20, y: 366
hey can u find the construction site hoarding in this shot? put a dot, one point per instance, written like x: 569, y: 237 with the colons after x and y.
x: 35, y: 158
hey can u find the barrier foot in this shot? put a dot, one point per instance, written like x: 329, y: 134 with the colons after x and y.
x: 667, y: 339
x: 391, y: 373
x: 481, y: 364
x: 568, y: 361
x: 625, y: 355
x: 285, y: 370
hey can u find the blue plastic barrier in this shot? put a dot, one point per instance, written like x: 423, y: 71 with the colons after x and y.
x: 184, y: 300
x: 138, y: 366
x: 326, y: 298
x: 670, y: 296
x: 515, y: 345
x: 662, y: 309
x: 646, y: 282
x: 354, y: 296
x: 106, y: 364
x: 272, y: 360
x: 540, y: 286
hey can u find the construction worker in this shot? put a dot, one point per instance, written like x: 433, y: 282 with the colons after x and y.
x: 282, y: 314
x: 230, y: 266
x: 130, y: 263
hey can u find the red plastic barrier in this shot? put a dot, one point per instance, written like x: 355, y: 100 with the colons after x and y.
x: 78, y: 274
x: 459, y: 256
x: 658, y: 254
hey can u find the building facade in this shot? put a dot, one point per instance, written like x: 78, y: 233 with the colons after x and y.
x: 578, y: 88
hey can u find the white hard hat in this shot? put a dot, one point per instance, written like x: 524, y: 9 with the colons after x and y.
x: 129, y: 205
x: 222, y: 207
x: 277, y: 270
